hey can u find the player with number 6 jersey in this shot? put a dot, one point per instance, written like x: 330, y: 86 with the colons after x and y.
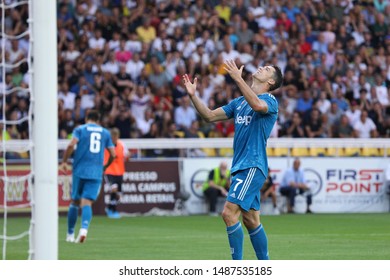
x: 88, y: 143
x: 89, y: 154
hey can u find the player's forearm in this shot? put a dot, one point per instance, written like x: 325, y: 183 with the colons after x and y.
x: 109, y: 161
x: 212, y: 184
x: 68, y: 152
x: 202, y: 109
x: 293, y: 184
x: 251, y: 97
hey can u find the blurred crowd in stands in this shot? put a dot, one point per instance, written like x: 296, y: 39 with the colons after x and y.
x: 126, y: 58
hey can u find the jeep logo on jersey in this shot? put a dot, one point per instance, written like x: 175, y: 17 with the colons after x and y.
x: 243, y: 119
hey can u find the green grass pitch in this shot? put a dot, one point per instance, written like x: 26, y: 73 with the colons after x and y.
x: 291, y: 237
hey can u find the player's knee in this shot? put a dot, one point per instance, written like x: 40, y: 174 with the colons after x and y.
x: 229, y: 216
x: 75, y: 202
x: 251, y: 220
x: 226, y: 216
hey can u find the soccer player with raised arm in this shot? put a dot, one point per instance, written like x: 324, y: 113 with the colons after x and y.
x: 88, y: 143
x: 254, y: 114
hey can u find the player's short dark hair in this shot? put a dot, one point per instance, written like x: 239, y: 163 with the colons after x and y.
x: 278, y: 78
x: 93, y: 115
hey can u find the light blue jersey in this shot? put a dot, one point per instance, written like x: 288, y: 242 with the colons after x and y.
x: 89, y: 154
x: 252, y: 130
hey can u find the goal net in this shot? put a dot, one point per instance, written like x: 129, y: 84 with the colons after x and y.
x: 28, y: 124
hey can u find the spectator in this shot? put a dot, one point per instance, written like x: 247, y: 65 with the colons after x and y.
x: 377, y: 114
x: 161, y: 37
x: 134, y: 67
x: 342, y: 128
x: 256, y: 9
x: 320, y: 45
x: 67, y: 124
x: 223, y: 11
x: 267, y: 190
x: 140, y: 100
x: 294, y: 127
x: 365, y: 127
x: 381, y: 91
x: 313, y: 125
x: 158, y: 77
x: 353, y: 113
x: 305, y: 102
x: 15, y: 53
x: 146, y: 32
x: 217, y: 184
x: 340, y: 99
x: 71, y: 52
x: 267, y: 21
x: 122, y: 55
x: 291, y: 10
x: 170, y: 132
x: 328, y: 34
x: 365, y: 103
x: 294, y: 183
x: 154, y: 132
x: 385, y: 128
x: 323, y: 104
x: 245, y: 34
x: 332, y: 117
x: 112, y: 65
x: 240, y: 9
x: 186, y: 47
x: 144, y: 123
x: 67, y: 96
x: 121, y: 117
x: 185, y: 114
x: 97, y: 42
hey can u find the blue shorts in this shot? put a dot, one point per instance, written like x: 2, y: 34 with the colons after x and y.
x: 245, y: 188
x: 85, y: 188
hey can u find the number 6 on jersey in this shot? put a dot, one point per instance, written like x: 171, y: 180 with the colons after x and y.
x: 94, y: 143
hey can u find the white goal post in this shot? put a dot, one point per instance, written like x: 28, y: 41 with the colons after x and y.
x: 44, y: 130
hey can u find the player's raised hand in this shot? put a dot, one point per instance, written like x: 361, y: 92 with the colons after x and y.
x: 232, y: 69
x: 190, y: 87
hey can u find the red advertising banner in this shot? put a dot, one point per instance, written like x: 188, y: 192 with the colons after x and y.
x: 146, y: 185
x: 18, y: 195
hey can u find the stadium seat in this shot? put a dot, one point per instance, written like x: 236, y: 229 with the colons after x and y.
x: 370, y: 152
x: 280, y: 152
x: 179, y: 133
x: 300, y: 152
x: 270, y: 152
x: 351, y: 152
x: 24, y: 155
x: 334, y: 152
x: 226, y: 152
x: 210, y: 152
x: 383, y: 151
x: 317, y: 152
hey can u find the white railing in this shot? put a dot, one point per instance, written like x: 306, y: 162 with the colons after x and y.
x: 192, y: 143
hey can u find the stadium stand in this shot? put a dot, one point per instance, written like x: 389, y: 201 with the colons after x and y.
x: 124, y: 58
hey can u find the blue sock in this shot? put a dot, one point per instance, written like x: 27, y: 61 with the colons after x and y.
x: 86, y: 216
x: 236, y: 240
x: 259, y: 242
x: 73, y: 212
